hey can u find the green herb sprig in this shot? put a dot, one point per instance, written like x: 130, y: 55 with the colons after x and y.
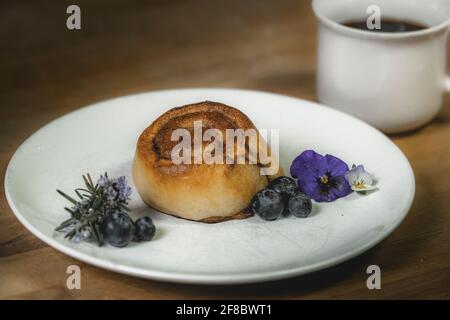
x: 92, y: 204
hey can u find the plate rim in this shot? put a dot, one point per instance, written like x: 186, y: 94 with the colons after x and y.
x: 212, y: 279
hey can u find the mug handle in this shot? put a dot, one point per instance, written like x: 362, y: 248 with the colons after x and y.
x: 447, y: 79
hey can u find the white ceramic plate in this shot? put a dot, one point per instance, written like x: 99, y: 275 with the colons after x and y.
x: 102, y: 138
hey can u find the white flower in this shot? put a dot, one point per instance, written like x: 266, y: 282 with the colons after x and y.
x: 359, y: 179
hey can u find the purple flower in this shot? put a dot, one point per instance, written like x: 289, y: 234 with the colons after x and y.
x: 359, y: 179
x: 322, y: 178
x: 104, y: 181
x: 114, y: 189
x: 116, y: 192
x: 123, y: 188
x: 111, y: 194
x: 82, y: 235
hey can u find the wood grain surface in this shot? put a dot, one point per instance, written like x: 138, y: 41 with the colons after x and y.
x: 126, y: 47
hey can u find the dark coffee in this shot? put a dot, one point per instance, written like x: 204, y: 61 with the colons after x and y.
x: 387, y: 25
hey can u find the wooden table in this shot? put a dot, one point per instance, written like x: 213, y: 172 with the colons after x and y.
x: 127, y: 47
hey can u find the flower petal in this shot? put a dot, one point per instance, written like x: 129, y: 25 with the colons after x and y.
x: 366, y: 178
x: 352, y: 177
x: 359, y: 175
x: 306, y: 160
x: 307, y: 183
x: 342, y: 187
x: 365, y: 187
x: 336, y: 167
x: 320, y: 196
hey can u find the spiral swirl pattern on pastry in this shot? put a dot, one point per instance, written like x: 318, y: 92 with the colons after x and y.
x: 201, y: 192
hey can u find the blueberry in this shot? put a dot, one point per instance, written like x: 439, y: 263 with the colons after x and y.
x: 300, y: 205
x: 117, y: 229
x: 284, y: 185
x: 268, y: 204
x: 287, y: 187
x: 145, y: 229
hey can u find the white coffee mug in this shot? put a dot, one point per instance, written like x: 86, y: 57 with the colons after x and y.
x: 394, y: 81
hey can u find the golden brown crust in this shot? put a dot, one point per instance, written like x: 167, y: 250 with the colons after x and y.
x: 202, y: 192
x: 244, y: 214
x: 212, y: 114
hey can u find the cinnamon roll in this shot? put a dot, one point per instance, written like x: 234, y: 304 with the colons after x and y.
x: 200, y: 180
